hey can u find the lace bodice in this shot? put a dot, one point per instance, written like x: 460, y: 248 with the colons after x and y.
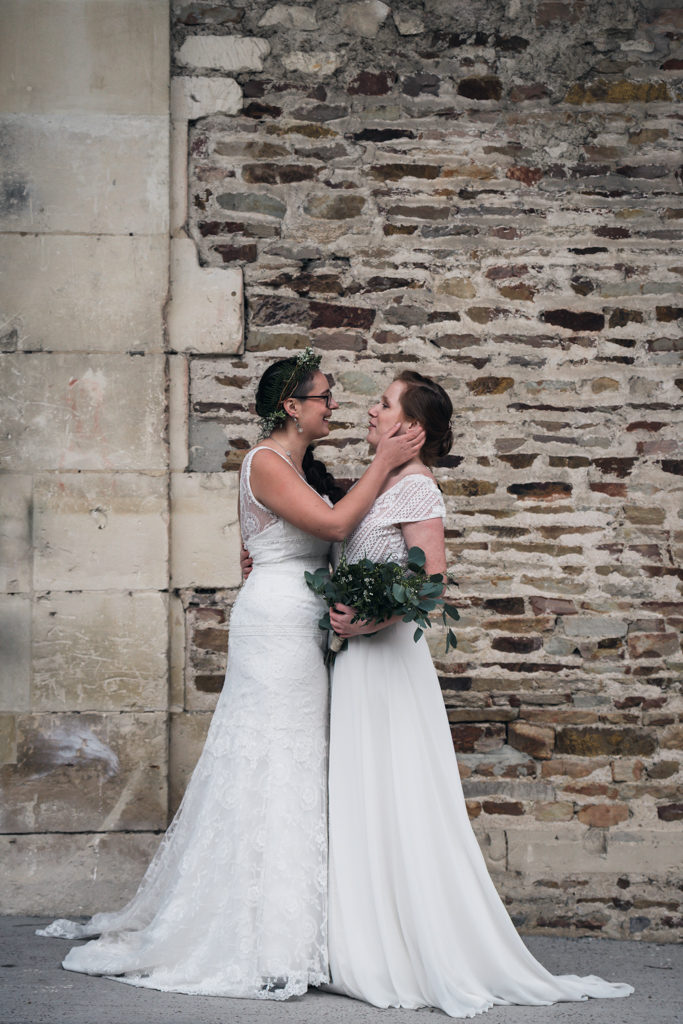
x: 267, y: 536
x: 378, y: 536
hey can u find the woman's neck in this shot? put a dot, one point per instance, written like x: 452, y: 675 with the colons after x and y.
x: 415, y: 465
x: 292, y: 444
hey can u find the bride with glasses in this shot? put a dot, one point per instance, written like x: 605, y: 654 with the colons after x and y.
x: 235, y: 901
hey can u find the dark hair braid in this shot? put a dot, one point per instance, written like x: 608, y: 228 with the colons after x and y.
x: 318, y: 476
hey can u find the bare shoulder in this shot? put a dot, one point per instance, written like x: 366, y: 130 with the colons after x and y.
x: 262, y: 455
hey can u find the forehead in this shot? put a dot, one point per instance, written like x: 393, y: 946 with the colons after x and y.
x: 395, y: 390
x: 319, y: 381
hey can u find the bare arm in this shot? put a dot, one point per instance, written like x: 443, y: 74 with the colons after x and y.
x: 280, y: 488
x: 428, y: 535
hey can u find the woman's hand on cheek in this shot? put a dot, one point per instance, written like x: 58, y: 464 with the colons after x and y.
x: 399, y: 448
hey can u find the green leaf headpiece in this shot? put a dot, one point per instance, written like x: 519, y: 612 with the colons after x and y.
x: 280, y: 382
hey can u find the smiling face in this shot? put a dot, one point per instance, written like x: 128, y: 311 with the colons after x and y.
x: 312, y: 412
x: 386, y: 413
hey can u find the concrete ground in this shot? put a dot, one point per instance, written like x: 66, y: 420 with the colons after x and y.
x: 35, y: 990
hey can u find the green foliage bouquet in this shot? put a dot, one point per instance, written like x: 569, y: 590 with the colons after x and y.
x: 380, y: 590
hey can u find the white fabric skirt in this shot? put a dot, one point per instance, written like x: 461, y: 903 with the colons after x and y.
x: 234, y: 902
x: 414, y: 918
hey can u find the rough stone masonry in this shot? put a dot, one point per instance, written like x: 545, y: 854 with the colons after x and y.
x: 488, y: 192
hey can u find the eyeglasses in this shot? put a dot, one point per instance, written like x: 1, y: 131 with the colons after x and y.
x: 327, y: 398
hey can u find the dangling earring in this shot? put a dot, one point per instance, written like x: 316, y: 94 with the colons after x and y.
x: 299, y: 428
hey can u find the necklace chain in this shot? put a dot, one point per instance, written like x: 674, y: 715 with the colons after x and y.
x: 289, y: 456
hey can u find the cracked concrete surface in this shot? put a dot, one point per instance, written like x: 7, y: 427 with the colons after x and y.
x: 35, y: 990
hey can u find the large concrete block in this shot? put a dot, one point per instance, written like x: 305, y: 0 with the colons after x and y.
x: 188, y: 734
x: 205, y: 534
x: 194, y: 96
x: 67, y: 875
x: 69, y: 55
x: 15, y: 652
x: 84, y: 294
x: 536, y: 853
x: 100, y: 531
x: 15, y: 532
x: 66, y: 411
x: 100, y: 652
x: 85, y: 174
x: 205, y: 311
x: 224, y: 53
x: 86, y: 772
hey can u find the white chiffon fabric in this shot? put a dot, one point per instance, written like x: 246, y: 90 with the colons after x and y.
x: 414, y: 919
x: 234, y: 902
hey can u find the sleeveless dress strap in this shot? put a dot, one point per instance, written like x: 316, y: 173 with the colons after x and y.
x: 246, y: 470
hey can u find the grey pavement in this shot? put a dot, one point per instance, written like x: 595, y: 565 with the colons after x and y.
x: 35, y: 990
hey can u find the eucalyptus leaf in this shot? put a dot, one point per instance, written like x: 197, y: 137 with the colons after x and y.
x: 416, y: 556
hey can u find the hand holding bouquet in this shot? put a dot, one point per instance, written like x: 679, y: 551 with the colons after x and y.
x: 379, y: 591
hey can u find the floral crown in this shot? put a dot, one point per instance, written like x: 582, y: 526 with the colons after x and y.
x: 306, y: 362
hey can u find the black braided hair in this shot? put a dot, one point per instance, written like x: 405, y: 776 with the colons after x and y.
x: 318, y: 476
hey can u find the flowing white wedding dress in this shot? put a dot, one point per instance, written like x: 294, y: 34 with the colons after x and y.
x: 414, y: 919
x: 235, y: 901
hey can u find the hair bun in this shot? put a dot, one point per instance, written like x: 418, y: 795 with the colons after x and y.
x: 446, y: 442
x: 426, y: 402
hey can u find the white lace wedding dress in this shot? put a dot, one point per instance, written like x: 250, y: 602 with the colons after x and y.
x: 234, y: 902
x: 414, y: 919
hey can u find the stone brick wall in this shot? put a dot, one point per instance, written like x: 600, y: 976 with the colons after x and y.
x: 485, y: 191
x: 84, y: 502
x: 488, y: 192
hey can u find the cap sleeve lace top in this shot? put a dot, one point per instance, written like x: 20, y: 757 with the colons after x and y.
x: 412, y: 499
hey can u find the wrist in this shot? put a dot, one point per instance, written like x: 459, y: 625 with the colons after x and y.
x: 382, y: 462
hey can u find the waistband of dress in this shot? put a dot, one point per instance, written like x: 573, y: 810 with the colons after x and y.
x: 292, y: 568
x: 269, y: 631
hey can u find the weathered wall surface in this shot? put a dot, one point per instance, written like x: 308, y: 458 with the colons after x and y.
x: 488, y: 192
x: 84, y: 492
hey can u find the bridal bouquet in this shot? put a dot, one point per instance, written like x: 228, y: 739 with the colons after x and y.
x: 380, y: 590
